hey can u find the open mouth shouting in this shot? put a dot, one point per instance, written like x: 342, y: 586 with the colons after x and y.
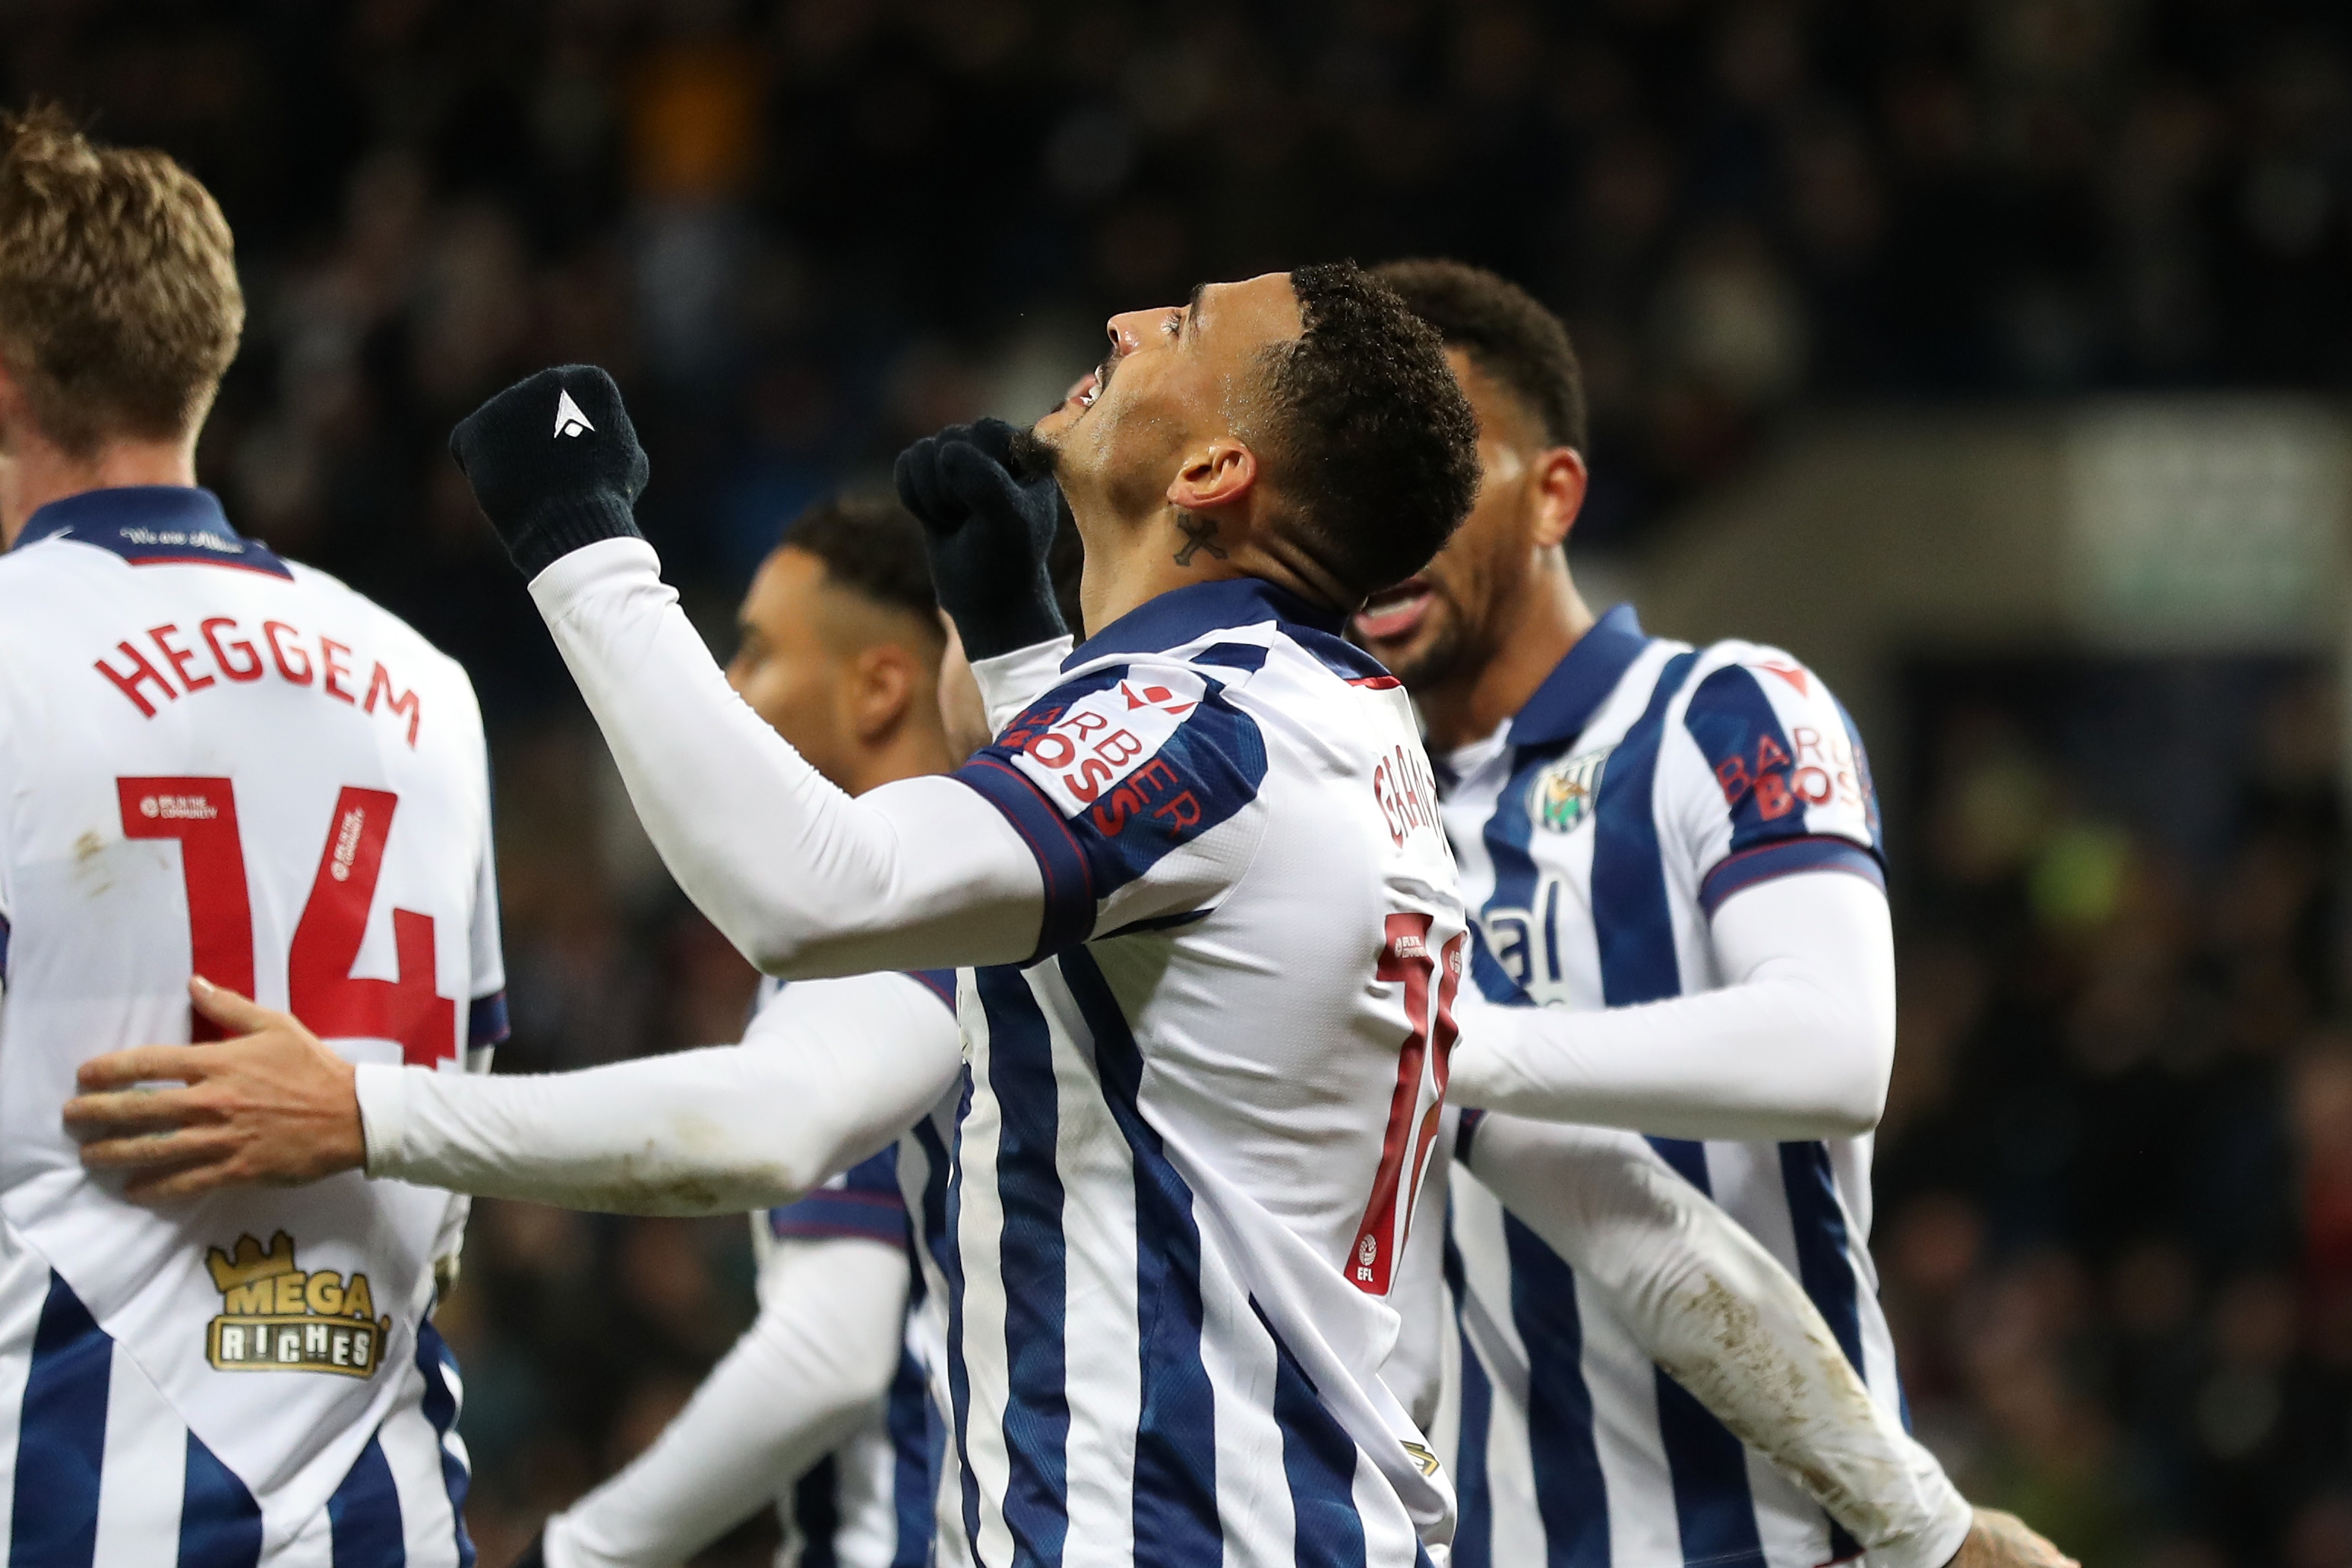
x: 1394, y: 614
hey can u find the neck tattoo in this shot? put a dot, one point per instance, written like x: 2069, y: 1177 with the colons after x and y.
x: 1198, y: 533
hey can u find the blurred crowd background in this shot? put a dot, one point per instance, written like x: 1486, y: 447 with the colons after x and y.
x: 2115, y: 1194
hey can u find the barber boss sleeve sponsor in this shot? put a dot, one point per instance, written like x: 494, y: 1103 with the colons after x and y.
x: 277, y: 1318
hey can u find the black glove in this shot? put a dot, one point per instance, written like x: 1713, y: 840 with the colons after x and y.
x: 988, y: 535
x: 554, y: 463
x: 535, y: 1554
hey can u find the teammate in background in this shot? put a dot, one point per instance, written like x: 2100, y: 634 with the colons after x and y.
x: 1675, y: 853
x: 822, y: 1404
x: 210, y: 761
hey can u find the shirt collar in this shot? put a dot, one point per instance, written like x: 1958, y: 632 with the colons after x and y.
x: 135, y: 506
x: 1182, y: 614
x: 1581, y: 680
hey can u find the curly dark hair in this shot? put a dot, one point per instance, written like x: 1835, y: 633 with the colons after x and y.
x: 872, y: 545
x: 1507, y: 332
x: 1375, y: 443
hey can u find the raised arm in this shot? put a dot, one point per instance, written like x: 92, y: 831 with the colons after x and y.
x: 802, y: 879
x: 1706, y: 1302
x: 1796, y: 1043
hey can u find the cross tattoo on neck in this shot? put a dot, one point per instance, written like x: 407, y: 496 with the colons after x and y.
x: 1197, y: 531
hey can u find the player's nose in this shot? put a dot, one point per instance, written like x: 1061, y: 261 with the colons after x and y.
x: 1127, y: 329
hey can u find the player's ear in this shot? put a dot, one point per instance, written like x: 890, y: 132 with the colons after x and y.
x: 1559, y: 486
x: 885, y: 689
x: 1214, y: 474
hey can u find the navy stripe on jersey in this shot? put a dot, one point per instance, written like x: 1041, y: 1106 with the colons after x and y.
x: 1570, y: 1491
x: 1248, y: 656
x: 1738, y: 872
x: 1198, y: 777
x: 1581, y: 680
x: 1739, y: 733
x: 61, y: 1437
x: 867, y: 1204
x: 436, y: 1363
x: 6, y: 928
x: 816, y: 1513
x: 1176, y: 1517
x: 486, y: 1020
x: 1034, y: 1266
x: 1473, y: 1535
x: 1634, y: 925
x: 940, y: 983
x: 220, y: 1524
x: 1319, y: 1460
x: 914, y: 1431
x: 1823, y: 1264
x: 1070, y: 896
x: 152, y: 525
x: 1507, y: 833
x: 364, y: 1514
x: 1177, y: 616
x: 935, y: 1164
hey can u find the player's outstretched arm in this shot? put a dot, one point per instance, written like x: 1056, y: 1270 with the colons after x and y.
x: 1796, y: 1043
x: 807, y: 1374
x: 832, y: 1073
x: 1706, y: 1302
x: 806, y: 881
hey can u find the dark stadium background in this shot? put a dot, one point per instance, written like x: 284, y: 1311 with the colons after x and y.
x: 2116, y: 1188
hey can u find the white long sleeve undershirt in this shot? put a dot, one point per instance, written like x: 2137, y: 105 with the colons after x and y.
x: 809, y: 1371
x: 829, y: 1072
x: 806, y: 881
x: 1704, y: 1300
x: 1795, y: 1042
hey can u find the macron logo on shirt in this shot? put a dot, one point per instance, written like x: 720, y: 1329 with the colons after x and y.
x: 1105, y: 736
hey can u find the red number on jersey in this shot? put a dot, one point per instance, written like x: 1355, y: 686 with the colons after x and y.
x: 1406, y: 957
x: 322, y: 991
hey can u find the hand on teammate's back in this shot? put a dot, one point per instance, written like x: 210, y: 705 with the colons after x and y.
x: 1999, y: 1539
x: 272, y: 1107
x: 989, y: 531
x: 554, y: 462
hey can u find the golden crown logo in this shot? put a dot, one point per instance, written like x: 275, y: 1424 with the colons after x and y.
x: 251, y: 1263
x: 277, y: 1318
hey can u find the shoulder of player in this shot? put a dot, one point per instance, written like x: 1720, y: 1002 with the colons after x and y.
x: 1787, y: 681
x: 390, y: 632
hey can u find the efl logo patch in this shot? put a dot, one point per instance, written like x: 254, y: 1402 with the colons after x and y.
x: 1562, y: 796
x: 274, y: 1317
x: 1102, y: 738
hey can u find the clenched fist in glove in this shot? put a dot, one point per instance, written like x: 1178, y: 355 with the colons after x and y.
x: 988, y: 528
x: 554, y: 463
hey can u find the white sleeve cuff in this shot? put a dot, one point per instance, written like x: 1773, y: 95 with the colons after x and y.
x: 1941, y: 1541
x: 384, y: 1113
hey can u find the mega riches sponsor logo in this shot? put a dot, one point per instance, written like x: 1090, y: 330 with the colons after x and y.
x: 277, y: 1318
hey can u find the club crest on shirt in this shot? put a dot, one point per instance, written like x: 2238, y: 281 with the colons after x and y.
x: 276, y: 1318
x: 1562, y: 795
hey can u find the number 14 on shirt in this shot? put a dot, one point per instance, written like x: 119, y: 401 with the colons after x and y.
x: 201, y: 813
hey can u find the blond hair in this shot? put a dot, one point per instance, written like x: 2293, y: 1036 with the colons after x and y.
x: 120, y: 307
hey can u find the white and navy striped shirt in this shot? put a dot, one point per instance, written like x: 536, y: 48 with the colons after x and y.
x: 1195, y: 1121
x: 1644, y: 784
x: 213, y: 761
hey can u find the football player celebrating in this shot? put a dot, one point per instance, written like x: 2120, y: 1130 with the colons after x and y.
x: 210, y: 760
x: 1673, y: 859
x: 1204, y: 965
